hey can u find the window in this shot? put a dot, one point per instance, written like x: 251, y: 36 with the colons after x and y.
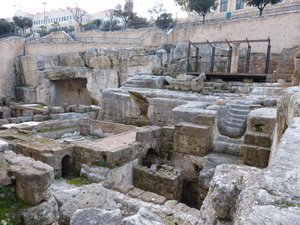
x: 223, y: 5
x: 239, y: 4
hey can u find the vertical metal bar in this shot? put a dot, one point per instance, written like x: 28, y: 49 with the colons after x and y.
x: 212, y: 62
x: 197, y: 60
x: 188, y: 58
x: 229, y: 59
x: 248, y: 59
x: 268, y: 58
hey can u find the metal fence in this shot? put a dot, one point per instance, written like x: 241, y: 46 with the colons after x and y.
x: 74, y: 39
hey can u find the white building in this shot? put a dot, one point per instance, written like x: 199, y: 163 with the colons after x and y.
x: 53, y: 18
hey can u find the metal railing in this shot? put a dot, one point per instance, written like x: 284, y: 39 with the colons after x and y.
x: 106, y: 40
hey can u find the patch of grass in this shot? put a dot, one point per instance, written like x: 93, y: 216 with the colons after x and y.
x: 169, y: 152
x: 258, y: 128
x: 53, y: 129
x: 77, y: 181
x: 10, y: 206
x: 39, y: 107
x: 101, y: 163
x: 45, y: 141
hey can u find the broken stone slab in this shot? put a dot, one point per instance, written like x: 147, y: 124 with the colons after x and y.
x: 143, y: 216
x: 93, y: 216
x: 223, y: 195
x: 145, y: 81
x: 152, y: 197
x: 73, y: 198
x: 166, y: 181
x: 120, y: 175
x: 136, y: 192
x: 262, y: 120
x: 192, y: 139
x: 3, y: 145
x: 33, y: 178
x: 255, y: 155
x: 43, y: 214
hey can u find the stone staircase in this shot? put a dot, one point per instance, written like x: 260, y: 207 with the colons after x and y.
x: 235, y: 122
x: 227, y: 145
x: 256, y: 148
x: 258, y: 138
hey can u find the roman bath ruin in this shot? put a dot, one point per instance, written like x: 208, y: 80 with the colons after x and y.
x: 177, y: 132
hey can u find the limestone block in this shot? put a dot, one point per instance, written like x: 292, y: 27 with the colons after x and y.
x: 166, y: 181
x: 92, y: 195
x: 26, y: 119
x: 43, y: 214
x: 145, y: 81
x: 149, y: 136
x: 3, y: 170
x: 101, y: 62
x: 33, y: 178
x: 255, y: 155
x: 71, y: 60
x: 57, y: 109
x: 262, y: 120
x: 194, y: 112
x: 257, y: 138
x: 152, y: 197
x: 144, y: 216
x: 290, y: 103
x: 296, y: 74
x: 179, y: 52
x: 93, y: 216
x: 32, y: 184
x: 160, y: 110
x: 192, y: 139
x: 223, y: 196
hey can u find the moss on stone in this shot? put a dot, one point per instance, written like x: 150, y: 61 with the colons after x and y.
x: 258, y: 128
x: 53, y: 129
x: 10, y: 206
x: 78, y: 181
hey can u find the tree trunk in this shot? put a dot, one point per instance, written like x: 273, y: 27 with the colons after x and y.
x: 260, y: 11
x: 203, y: 18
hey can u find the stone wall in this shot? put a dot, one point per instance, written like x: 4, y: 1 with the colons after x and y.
x: 296, y: 73
x: 10, y: 49
x: 80, y: 78
x: 283, y: 35
x: 166, y: 181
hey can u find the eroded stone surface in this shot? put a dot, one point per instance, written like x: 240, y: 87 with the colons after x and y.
x: 94, y: 216
x: 33, y: 178
x: 42, y: 214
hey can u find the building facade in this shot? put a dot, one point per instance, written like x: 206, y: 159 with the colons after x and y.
x: 235, y: 7
x: 55, y: 19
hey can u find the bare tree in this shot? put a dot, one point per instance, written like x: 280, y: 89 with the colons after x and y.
x: 110, y: 16
x: 78, y: 15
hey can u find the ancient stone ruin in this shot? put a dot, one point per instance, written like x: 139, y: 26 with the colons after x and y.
x: 126, y: 136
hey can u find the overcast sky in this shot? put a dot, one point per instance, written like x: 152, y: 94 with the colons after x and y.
x: 9, y: 7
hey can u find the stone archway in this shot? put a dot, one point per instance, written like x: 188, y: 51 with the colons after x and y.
x: 66, y: 166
